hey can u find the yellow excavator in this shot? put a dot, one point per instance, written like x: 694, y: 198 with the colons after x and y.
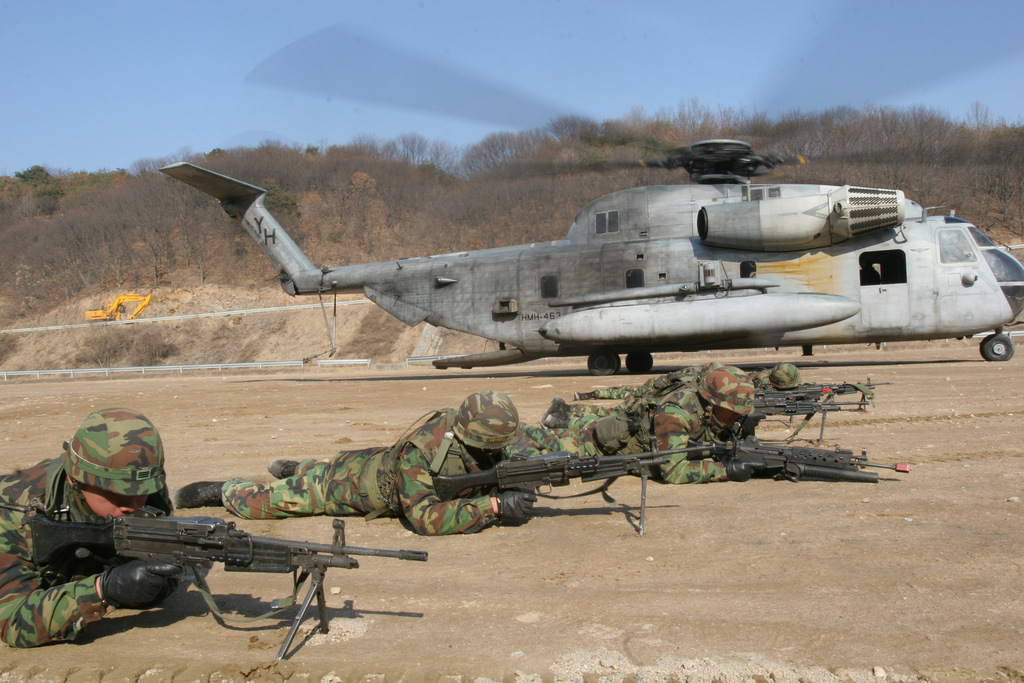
x: 117, y: 311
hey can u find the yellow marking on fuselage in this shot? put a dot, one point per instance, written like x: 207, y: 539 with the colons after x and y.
x: 812, y: 271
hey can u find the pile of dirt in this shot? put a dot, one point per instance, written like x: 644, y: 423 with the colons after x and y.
x: 360, y: 330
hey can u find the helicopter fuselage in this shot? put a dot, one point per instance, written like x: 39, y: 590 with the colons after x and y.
x: 684, y: 268
x: 511, y: 294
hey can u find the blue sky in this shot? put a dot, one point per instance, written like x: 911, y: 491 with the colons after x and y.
x: 101, y: 84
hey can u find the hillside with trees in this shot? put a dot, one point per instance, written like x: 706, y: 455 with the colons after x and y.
x: 75, y: 240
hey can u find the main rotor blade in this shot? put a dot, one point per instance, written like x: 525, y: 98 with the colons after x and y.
x: 335, y: 62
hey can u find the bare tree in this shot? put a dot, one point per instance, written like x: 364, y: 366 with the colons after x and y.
x: 444, y: 156
x: 497, y: 149
x: 412, y: 147
x: 571, y: 127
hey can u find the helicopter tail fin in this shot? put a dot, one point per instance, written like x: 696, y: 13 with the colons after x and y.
x: 244, y: 203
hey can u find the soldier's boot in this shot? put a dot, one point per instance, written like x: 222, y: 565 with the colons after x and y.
x: 200, y: 494
x: 584, y: 395
x: 736, y: 470
x: 282, y: 469
x: 557, y: 414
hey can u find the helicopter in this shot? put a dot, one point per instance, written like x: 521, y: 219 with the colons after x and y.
x: 721, y: 263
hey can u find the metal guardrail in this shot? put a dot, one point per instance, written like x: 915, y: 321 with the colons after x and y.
x: 180, y: 369
x: 345, y: 361
x: 428, y: 359
x: 143, y: 369
x: 176, y: 318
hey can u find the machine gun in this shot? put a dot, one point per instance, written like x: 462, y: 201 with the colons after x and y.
x: 829, y: 390
x: 802, y: 463
x: 782, y: 403
x: 778, y: 403
x: 807, y: 400
x: 199, y: 542
x: 556, y: 469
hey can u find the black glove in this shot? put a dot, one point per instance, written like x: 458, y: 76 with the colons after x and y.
x: 737, y: 470
x: 583, y: 395
x: 138, y: 584
x: 516, y: 506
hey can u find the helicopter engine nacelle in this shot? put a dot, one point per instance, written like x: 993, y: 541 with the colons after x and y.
x: 795, y: 223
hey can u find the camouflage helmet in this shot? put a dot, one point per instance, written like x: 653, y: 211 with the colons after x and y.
x: 117, y: 450
x: 487, y: 419
x: 759, y: 378
x: 784, y: 376
x: 728, y: 387
x: 707, y: 368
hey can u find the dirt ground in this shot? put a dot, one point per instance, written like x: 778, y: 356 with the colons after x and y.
x: 916, y: 576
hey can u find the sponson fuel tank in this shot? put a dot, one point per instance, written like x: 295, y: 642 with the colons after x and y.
x: 698, y: 319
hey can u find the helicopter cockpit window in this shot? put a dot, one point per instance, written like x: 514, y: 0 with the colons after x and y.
x: 955, y: 247
x: 607, y: 221
x: 549, y: 287
x: 634, y: 277
x: 981, y: 239
x: 883, y: 268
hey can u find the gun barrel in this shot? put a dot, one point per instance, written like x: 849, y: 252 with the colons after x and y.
x: 831, y: 474
x: 411, y: 555
x: 328, y: 549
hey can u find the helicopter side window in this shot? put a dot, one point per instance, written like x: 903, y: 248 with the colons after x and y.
x: 634, y: 277
x: 549, y: 287
x: 756, y: 194
x: 883, y: 268
x: 748, y: 268
x: 955, y: 247
x: 607, y: 221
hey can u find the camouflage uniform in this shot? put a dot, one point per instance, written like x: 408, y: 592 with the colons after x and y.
x: 55, y: 601
x: 656, y: 386
x: 783, y: 376
x: 643, y: 424
x: 396, y: 480
x: 659, y: 390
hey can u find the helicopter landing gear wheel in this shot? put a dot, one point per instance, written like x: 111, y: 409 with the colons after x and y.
x: 639, y: 362
x: 997, y: 347
x: 603, y: 363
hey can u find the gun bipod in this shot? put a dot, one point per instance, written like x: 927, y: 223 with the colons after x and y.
x: 317, y: 571
x: 315, y: 588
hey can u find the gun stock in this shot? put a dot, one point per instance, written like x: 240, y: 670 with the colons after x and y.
x: 51, y: 538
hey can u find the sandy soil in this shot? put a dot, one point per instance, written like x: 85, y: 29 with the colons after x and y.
x: 916, y: 576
